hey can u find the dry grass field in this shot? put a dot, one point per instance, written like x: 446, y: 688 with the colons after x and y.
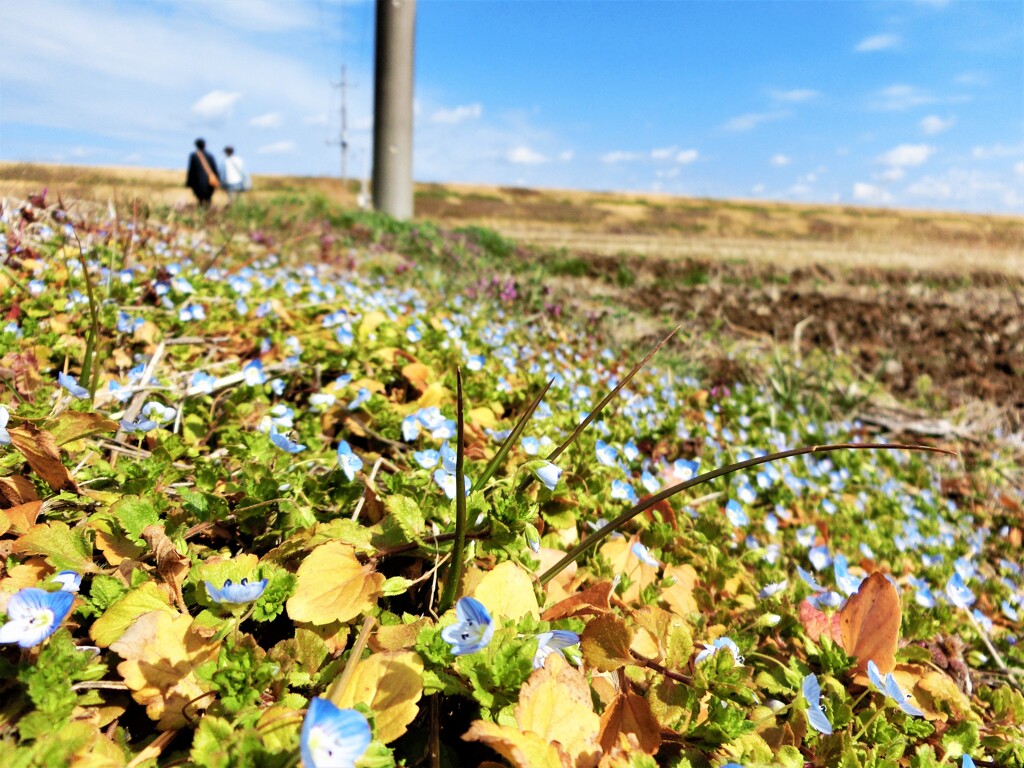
x: 929, y: 303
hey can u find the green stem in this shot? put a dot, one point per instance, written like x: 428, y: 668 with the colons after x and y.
x: 451, y: 584
x: 625, y: 517
x: 90, y: 379
x: 870, y: 720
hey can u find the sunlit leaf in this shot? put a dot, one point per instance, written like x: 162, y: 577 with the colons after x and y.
x: 146, y: 598
x: 333, y: 586
x: 161, y: 655
x: 869, y: 624
x: 507, y: 591
x: 42, y: 454
x: 555, y: 718
x: 64, y: 547
x: 605, y: 642
x: 390, y: 684
x: 630, y: 714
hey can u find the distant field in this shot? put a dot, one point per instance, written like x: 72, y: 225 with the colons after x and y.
x: 600, y: 223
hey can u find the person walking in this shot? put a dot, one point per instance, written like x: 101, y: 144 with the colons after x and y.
x: 236, y: 178
x: 202, y: 175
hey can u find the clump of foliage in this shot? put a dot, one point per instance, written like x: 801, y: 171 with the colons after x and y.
x: 311, y: 483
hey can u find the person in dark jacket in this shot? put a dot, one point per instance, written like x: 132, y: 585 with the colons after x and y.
x: 202, y: 174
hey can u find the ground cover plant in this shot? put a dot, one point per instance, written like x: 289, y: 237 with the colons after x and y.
x: 279, y: 489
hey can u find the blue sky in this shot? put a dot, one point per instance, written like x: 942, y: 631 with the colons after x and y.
x: 909, y: 103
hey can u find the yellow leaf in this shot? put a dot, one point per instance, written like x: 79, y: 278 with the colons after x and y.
x: 938, y: 696
x: 390, y: 684
x: 524, y: 750
x: 508, y: 591
x: 109, y: 627
x: 370, y: 322
x: 605, y: 643
x: 483, y: 417
x: 679, y: 597
x: 333, y: 586
x: 623, y: 560
x: 161, y: 655
x: 557, y: 725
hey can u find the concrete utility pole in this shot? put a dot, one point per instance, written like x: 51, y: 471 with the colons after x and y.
x: 392, y: 107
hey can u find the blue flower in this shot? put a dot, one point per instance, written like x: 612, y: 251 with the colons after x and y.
x: 284, y: 443
x: 891, y: 689
x: 473, y: 629
x: 427, y: 459
x: 361, y: 397
x: 244, y: 591
x: 253, y: 373
x: 736, y: 515
x: 958, y: 592
x: 5, y: 436
x: 719, y: 644
x: 332, y: 737
x: 70, y: 383
x: 815, y: 714
x: 34, y: 614
x: 605, y: 453
x: 70, y: 581
x: 819, y: 557
x: 846, y: 581
x: 553, y: 642
x: 348, y: 461
x: 202, y: 382
x: 644, y: 555
x: 967, y: 762
x: 530, y: 445
x: 623, y: 491
x: 548, y: 473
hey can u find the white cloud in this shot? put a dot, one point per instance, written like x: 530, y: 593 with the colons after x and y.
x: 320, y: 119
x: 997, y: 151
x: 619, y: 156
x: 526, y: 156
x: 750, y: 121
x: 899, y: 97
x: 795, y: 95
x: 780, y: 160
x: 457, y: 115
x: 907, y: 155
x: 663, y: 153
x: 1019, y: 168
x: 869, y: 193
x: 979, y: 190
x: 277, y: 148
x: 757, y: 189
x: 687, y: 156
x: 972, y: 78
x: 566, y: 155
x: 877, y: 43
x: 216, y: 106
x: 933, y: 124
x: 269, y: 120
x: 892, y: 174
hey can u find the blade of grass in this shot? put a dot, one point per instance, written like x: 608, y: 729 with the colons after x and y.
x: 607, y: 398
x: 646, y: 504
x: 509, y: 441
x: 451, y: 585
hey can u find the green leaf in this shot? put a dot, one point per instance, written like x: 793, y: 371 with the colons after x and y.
x: 112, y: 625
x: 135, y: 514
x: 65, y: 548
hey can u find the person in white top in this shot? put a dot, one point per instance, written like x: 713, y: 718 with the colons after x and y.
x: 236, y: 178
